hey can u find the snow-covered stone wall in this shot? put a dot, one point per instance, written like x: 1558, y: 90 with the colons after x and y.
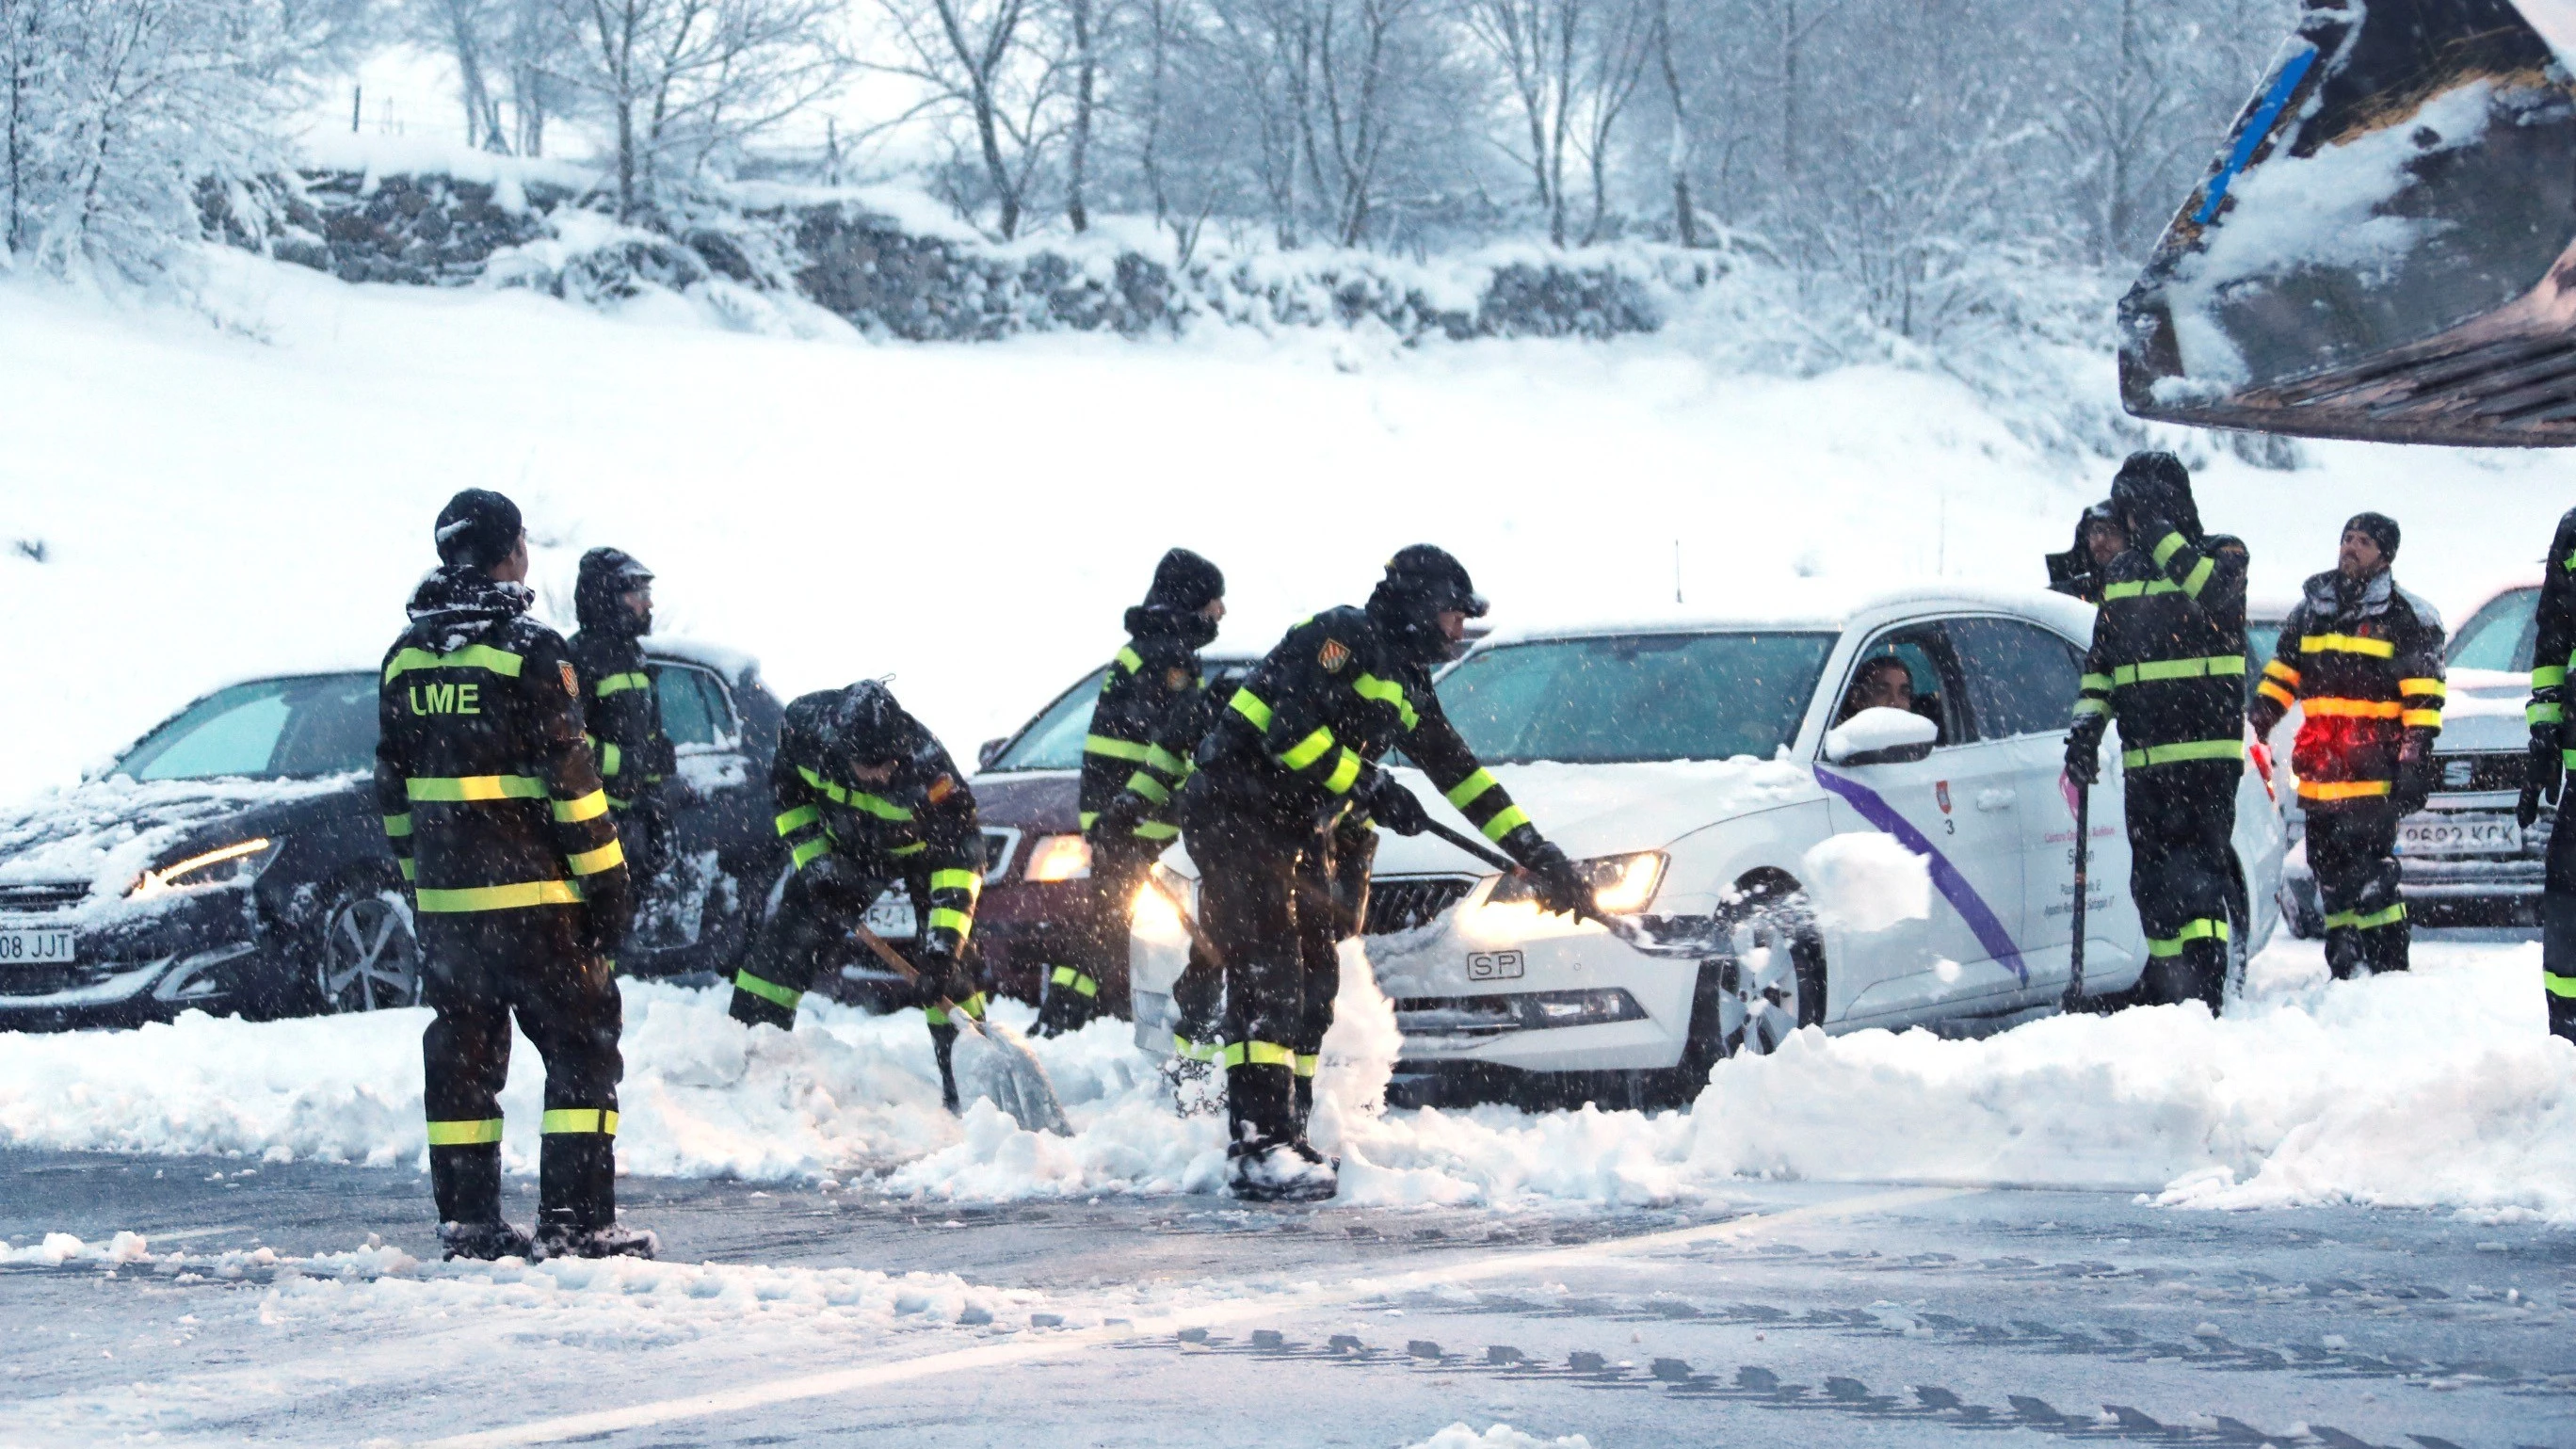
x: 494, y: 221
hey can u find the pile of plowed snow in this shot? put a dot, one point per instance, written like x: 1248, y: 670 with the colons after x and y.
x: 2439, y: 1088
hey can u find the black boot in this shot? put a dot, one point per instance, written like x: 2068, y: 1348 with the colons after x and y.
x: 610, y: 1240
x: 943, y: 1045
x: 483, y: 1241
x: 1267, y: 1159
x: 466, y: 1181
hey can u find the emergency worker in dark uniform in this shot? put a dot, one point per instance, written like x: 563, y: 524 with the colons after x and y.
x: 1152, y: 710
x: 2362, y: 658
x: 2168, y: 662
x: 867, y: 799
x: 613, y: 598
x: 498, y: 818
x: 1294, y: 758
x: 2553, y: 654
x: 2079, y: 571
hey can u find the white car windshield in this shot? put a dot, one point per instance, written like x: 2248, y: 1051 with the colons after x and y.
x: 1631, y: 697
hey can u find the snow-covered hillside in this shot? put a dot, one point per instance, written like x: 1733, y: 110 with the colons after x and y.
x: 218, y: 501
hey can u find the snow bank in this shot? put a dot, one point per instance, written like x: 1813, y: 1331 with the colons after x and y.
x: 2435, y: 1089
x: 1867, y: 882
x: 1501, y: 1436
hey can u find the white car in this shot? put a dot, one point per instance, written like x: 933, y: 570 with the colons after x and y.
x: 1698, y: 771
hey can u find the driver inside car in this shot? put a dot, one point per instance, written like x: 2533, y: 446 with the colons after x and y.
x: 1882, y: 683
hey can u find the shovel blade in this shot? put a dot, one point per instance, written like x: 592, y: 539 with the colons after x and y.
x: 2385, y: 247
x: 992, y: 1061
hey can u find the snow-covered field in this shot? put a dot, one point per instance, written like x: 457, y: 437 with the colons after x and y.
x: 216, y: 501
x: 2435, y: 1089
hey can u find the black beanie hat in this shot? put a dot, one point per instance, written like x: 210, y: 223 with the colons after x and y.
x: 2379, y: 528
x: 477, y: 529
x: 1185, y: 582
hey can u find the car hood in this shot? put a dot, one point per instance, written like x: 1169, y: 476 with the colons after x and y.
x: 1590, y: 810
x: 107, y: 832
x: 2483, y: 713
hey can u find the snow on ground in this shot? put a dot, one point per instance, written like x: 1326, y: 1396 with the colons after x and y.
x: 221, y: 497
x: 2436, y: 1089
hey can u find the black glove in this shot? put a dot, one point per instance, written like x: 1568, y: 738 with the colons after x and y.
x: 2084, y: 754
x: 2414, y: 782
x: 944, y: 976
x: 1122, y: 815
x: 603, y: 933
x: 1395, y: 808
x: 1560, y: 887
x: 2543, y: 774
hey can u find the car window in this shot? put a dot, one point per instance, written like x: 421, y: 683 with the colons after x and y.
x: 694, y: 708
x: 1635, y: 696
x: 323, y: 724
x: 1053, y: 741
x: 1932, y: 668
x: 2022, y: 679
x: 2502, y: 635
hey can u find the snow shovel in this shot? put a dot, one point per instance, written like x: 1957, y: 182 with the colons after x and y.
x: 990, y: 1057
x: 1624, y: 930
x: 2073, y: 1001
x: 2381, y: 249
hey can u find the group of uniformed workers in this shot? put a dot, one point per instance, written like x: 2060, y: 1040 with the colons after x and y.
x: 2359, y: 657
x: 527, y: 784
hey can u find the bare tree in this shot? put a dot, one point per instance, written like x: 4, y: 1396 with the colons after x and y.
x: 1082, y: 25
x: 977, y: 59
x: 1677, y: 154
x: 684, y: 81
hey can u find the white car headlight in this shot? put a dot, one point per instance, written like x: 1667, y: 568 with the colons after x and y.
x: 232, y: 864
x: 1622, y: 885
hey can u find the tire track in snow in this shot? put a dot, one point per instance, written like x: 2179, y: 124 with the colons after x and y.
x: 999, y: 1355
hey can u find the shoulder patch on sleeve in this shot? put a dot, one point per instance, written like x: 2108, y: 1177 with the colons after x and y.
x: 1333, y: 656
x: 1177, y: 679
x: 942, y: 788
x: 571, y: 682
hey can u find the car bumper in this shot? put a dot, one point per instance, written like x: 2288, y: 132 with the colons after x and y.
x: 132, y: 970
x: 2462, y: 879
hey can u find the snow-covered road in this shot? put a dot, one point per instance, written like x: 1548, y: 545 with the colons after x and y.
x: 1951, y: 1235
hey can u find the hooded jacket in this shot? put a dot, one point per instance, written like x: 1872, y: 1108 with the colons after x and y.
x: 1302, y: 738
x: 2363, y: 661
x: 2168, y: 653
x: 618, y: 699
x: 1152, y: 711
x: 490, y: 796
x: 2554, y: 646
x: 918, y: 827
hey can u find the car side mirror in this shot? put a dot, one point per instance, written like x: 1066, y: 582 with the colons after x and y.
x: 989, y: 751
x: 1881, y: 736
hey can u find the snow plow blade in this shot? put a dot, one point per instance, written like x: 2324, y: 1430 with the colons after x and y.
x: 2386, y: 247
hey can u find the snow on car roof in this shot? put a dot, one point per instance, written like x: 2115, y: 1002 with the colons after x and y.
x: 733, y: 664
x: 1816, y: 607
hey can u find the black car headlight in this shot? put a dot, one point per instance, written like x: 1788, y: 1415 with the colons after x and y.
x: 236, y: 864
x: 1622, y: 885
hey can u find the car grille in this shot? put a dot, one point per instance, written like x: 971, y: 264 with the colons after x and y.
x: 34, y: 897
x: 1406, y: 903
x: 2478, y: 774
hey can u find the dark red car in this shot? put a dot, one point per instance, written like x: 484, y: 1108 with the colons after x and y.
x: 1037, y: 888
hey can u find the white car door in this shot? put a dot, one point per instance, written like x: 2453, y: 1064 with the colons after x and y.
x: 2022, y: 679
x: 1960, y: 807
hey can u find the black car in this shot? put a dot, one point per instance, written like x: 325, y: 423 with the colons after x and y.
x: 233, y: 860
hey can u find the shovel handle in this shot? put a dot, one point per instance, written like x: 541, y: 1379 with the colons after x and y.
x: 1508, y: 866
x: 905, y: 969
